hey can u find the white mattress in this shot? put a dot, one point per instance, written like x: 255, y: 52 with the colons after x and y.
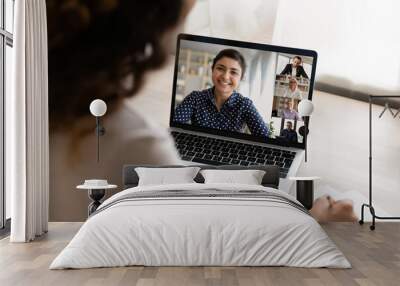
x: 200, y: 231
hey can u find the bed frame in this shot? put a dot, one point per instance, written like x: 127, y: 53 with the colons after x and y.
x: 130, y: 178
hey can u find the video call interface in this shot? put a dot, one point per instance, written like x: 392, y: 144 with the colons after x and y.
x: 241, y: 90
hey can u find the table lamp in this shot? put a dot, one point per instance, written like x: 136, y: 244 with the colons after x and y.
x: 98, y: 108
x: 305, y: 108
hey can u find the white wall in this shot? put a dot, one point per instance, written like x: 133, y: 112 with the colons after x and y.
x: 250, y: 20
x: 198, y: 21
x: 357, y: 41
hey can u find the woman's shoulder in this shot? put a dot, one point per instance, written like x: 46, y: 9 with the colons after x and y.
x: 130, y: 137
x: 243, y: 100
x: 199, y: 94
x: 140, y: 136
x: 202, y: 92
x: 130, y: 120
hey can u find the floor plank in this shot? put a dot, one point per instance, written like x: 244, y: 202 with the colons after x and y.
x: 375, y: 257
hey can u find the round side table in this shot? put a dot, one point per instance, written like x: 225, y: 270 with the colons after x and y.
x: 95, y: 193
x: 305, y: 190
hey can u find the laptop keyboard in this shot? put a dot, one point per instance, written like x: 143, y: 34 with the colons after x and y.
x: 212, y: 151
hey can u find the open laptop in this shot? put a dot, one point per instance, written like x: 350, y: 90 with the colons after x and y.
x: 261, y: 131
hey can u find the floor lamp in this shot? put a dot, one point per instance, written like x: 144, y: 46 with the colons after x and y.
x: 305, y: 108
x: 98, y: 108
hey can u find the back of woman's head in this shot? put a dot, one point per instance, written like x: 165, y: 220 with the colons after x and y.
x: 102, y: 49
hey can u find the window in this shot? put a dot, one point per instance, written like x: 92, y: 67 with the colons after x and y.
x: 6, y: 63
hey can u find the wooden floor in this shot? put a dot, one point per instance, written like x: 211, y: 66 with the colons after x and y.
x: 375, y: 257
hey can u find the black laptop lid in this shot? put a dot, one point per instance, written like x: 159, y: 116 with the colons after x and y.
x: 240, y: 89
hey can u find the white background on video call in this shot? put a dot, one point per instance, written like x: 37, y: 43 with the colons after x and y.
x: 258, y: 82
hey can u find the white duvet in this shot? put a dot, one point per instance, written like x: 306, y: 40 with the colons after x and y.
x: 200, y: 231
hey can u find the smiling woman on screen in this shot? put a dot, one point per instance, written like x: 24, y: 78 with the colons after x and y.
x: 221, y: 107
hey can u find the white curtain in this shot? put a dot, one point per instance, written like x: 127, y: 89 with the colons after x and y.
x: 261, y: 73
x: 27, y: 142
x: 357, y: 41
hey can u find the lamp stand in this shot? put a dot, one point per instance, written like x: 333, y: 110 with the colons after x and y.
x: 100, y: 131
x: 306, y: 120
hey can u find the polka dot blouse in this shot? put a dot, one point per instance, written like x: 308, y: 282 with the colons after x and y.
x: 199, y: 108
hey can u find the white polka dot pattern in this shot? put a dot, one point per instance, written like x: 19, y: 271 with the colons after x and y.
x: 198, y: 108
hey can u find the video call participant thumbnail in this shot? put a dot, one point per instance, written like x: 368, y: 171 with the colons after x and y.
x: 295, y: 69
x: 292, y: 90
x: 221, y: 107
x: 289, y: 113
x: 289, y: 133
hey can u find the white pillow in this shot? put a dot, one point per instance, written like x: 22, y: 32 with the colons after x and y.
x: 163, y: 176
x: 248, y: 177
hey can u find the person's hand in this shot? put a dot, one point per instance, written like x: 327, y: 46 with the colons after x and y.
x: 326, y: 209
x: 342, y: 210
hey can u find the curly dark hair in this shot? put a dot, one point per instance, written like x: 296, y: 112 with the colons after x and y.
x: 95, y: 45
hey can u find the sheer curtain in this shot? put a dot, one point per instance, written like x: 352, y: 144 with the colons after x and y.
x: 27, y: 142
x: 357, y: 41
x: 261, y: 73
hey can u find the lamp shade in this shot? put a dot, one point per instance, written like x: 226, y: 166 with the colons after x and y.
x: 305, y: 107
x: 98, y: 107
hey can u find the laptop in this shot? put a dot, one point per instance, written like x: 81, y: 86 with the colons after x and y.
x: 235, y: 103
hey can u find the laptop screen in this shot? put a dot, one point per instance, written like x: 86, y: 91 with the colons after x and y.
x: 241, y: 90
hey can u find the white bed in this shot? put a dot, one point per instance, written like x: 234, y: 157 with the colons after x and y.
x: 185, y: 230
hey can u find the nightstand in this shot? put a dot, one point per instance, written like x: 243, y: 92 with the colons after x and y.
x: 96, y: 191
x: 305, y: 190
